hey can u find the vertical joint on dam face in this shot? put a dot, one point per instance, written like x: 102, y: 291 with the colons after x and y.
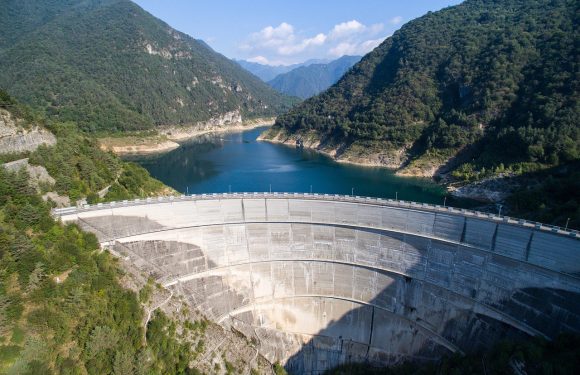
x: 529, y: 246
x: 321, y: 281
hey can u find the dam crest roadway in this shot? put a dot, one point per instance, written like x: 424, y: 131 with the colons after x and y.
x: 320, y: 280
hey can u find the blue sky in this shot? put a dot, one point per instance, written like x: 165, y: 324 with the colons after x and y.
x: 285, y: 32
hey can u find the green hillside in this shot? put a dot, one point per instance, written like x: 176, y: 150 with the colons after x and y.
x: 493, y: 83
x: 109, y: 65
x: 63, y: 308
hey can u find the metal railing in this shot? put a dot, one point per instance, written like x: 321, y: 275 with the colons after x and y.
x: 59, y: 212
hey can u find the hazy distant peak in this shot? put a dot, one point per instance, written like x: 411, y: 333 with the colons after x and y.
x: 311, y: 79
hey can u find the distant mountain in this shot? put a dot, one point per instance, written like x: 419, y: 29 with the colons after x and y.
x: 306, y: 81
x: 109, y: 65
x: 268, y: 72
x: 265, y: 72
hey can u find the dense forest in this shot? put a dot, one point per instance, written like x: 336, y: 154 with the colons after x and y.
x: 62, y: 307
x: 77, y: 164
x: 108, y: 65
x: 482, y: 89
x: 81, y: 169
x: 498, y: 76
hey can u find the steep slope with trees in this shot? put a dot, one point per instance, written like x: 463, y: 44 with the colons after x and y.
x: 109, y: 65
x: 482, y: 87
x: 66, y: 307
x: 485, y: 91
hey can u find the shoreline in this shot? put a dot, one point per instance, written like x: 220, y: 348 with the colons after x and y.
x: 477, y: 191
x: 170, y: 138
x: 367, y: 164
x: 332, y: 152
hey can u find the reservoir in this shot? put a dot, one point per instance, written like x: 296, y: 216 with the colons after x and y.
x: 237, y: 162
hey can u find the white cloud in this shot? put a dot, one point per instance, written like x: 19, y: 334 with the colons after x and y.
x: 376, y: 28
x: 272, y: 36
x: 259, y: 59
x: 354, y: 48
x: 346, y: 28
x: 283, y: 30
x: 343, y: 49
x: 293, y: 49
x: 283, y: 44
x: 396, y: 20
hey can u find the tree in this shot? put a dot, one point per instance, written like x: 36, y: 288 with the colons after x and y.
x: 36, y: 277
x: 123, y: 364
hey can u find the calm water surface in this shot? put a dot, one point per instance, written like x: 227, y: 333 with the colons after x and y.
x: 236, y: 162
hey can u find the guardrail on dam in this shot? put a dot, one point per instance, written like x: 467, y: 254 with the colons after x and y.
x: 319, y: 280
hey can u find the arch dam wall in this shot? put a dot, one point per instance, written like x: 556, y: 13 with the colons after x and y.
x: 317, y: 281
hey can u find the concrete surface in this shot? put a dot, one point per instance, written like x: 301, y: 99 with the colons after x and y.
x: 323, y: 280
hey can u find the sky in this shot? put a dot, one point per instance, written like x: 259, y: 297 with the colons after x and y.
x: 277, y: 32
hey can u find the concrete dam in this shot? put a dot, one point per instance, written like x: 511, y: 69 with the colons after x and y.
x: 320, y: 280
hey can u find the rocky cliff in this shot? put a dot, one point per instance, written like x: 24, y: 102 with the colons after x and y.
x: 16, y: 138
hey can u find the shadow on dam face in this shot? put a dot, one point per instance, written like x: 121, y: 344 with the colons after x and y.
x: 318, y: 283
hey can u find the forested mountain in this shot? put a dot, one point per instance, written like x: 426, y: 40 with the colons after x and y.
x: 268, y: 72
x: 62, y: 308
x: 109, y: 65
x: 306, y: 81
x: 66, y: 306
x: 484, y: 87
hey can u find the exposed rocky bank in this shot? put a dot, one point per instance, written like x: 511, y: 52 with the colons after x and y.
x: 168, y: 138
x: 340, y: 152
x: 17, y: 138
x: 490, y: 190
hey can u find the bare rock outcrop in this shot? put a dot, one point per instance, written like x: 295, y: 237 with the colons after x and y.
x: 38, y: 175
x: 14, y: 138
x: 227, y: 120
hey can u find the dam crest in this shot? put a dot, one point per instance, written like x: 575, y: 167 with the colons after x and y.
x: 321, y: 280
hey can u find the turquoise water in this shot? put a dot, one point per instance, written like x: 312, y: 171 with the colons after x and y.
x: 236, y: 162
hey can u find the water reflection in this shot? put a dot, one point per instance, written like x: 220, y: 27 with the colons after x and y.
x: 237, y: 162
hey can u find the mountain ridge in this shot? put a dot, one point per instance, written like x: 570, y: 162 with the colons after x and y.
x: 456, y: 90
x: 268, y: 72
x: 308, y: 80
x: 111, y: 66
x: 483, y: 97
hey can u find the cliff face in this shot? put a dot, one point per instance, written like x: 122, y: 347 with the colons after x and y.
x: 14, y: 138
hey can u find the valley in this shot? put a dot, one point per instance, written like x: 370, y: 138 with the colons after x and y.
x: 296, y: 188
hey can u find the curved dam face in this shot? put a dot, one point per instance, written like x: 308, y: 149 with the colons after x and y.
x: 316, y: 281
